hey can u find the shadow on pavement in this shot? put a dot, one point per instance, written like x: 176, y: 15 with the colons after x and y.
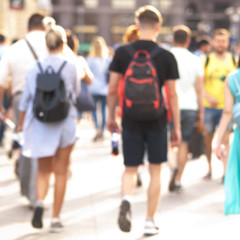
x: 8, y: 182
x: 35, y: 236
x: 190, y: 195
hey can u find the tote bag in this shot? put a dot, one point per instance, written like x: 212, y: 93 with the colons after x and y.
x: 85, y: 101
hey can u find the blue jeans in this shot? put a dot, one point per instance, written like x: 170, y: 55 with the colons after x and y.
x: 103, y: 101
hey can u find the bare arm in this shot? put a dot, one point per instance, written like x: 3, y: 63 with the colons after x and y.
x: 225, y: 121
x: 2, y: 110
x: 88, y: 73
x: 173, y: 104
x: 112, y: 100
x: 88, y: 76
x: 1, y: 97
x: 199, y: 91
x: 213, y: 102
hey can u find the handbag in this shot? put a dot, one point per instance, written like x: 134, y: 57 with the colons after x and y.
x: 236, y: 107
x: 85, y: 101
x: 196, y: 145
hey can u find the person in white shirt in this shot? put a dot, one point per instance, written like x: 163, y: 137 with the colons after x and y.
x: 190, y: 96
x: 19, y: 58
x: 3, y: 47
x: 15, y: 63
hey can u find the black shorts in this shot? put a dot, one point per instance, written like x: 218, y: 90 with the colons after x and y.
x: 135, y: 144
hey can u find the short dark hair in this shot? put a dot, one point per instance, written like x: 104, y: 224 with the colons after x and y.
x: 202, y: 41
x: 72, y: 40
x: 148, y: 14
x: 2, y: 37
x: 181, y: 33
x: 36, y: 21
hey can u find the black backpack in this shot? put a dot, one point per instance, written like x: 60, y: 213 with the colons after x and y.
x: 142, y: 97
x: 51, y: 102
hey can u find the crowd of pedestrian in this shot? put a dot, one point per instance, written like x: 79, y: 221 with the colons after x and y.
x: 163, y: 96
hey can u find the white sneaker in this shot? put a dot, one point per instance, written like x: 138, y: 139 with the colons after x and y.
x: 150, y: 228
x: 56, y: 226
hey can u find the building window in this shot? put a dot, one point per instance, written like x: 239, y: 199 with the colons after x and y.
x: 119, y: 26
x: 127, y: 4
x: 91, y: 3
x: 162, y: 5
x: 79, y: 2
x: 16, y: 4
x: 87, y: 27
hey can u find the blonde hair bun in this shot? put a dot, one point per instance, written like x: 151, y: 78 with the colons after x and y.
x: 55, y: 37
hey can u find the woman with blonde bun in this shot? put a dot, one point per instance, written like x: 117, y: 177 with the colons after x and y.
x: 51, y: 143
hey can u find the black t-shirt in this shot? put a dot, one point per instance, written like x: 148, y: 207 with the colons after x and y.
x: 166, y: 67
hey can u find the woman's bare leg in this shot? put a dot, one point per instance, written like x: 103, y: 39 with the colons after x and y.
x: 61, y: 164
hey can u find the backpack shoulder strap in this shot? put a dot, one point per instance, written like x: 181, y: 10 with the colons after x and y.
x: 233, y: 59
x: 62, y: 66
x: 207, y: 61
x: 238, y: 62
x: 40, y: 66
x: 31, y: 49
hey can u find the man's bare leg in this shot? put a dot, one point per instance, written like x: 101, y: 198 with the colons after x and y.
x: 154, y: 190
x: 208, y: 145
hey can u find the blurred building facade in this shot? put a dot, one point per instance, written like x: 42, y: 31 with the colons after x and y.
x: 110, y: 18
x: 14, y: 15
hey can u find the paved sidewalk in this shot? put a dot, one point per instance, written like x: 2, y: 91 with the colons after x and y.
x: 93, y: 197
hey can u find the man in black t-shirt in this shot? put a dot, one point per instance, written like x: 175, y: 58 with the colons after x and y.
x: 151, y: 134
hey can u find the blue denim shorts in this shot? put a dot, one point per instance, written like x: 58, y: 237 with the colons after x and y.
x: 188, y: 120
x: 135, y: 144
x: 211, y: 119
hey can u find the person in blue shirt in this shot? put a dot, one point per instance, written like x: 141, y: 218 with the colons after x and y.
x: 203, y: 46
x: 98, y: 62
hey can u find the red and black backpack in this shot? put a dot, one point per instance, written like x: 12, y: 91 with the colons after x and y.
x: 142, y: 96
